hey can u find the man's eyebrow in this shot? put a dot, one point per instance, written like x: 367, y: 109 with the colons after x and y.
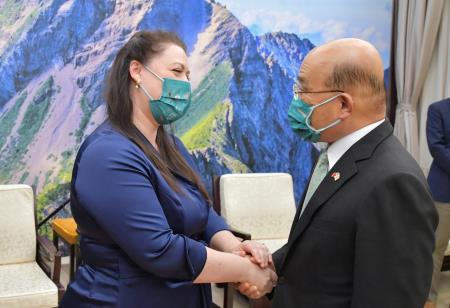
x: 301, y: 81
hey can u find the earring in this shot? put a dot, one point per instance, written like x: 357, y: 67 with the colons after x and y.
x: 137, y: 84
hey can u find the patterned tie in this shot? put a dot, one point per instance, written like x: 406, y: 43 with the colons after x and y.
x: 320, y: 171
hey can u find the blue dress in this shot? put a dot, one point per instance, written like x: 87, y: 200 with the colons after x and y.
x: 142, y: 244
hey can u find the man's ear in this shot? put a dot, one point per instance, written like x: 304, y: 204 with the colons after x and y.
x: 135, y: 71
x: 347, y: 104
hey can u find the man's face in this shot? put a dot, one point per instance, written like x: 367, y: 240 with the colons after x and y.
x: 310, y: 81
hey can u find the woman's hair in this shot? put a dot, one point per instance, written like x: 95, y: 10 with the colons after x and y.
x: 142, y: 47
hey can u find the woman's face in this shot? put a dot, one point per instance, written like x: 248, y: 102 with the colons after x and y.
x: 170, y: 63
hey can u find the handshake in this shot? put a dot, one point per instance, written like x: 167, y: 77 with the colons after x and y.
x: 261, y: 277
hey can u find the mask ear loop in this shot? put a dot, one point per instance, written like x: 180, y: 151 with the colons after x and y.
x: 308, y: 117
x: 151, y: 71
x: 156, y: 75
x: 138, y: 85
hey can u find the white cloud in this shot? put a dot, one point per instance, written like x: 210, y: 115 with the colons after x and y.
x: 321, y: 26
x: 333, y: 29
x: 299, y: 23
x: 377, y: 38
x: 293, y: 22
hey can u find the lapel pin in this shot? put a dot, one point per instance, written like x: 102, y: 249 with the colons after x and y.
x: 336, y: 176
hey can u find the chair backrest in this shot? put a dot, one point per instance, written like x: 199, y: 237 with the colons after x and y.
x: 261, y: 204
x: 17, y: 224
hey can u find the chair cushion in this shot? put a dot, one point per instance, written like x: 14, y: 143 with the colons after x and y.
x: 261, y: 204
x: 66, y: 228
x: 26, y: 285
x: 17, y: 225
x: 274, y: 244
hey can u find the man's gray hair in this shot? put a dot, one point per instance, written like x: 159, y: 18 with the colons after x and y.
x: 351, y: 75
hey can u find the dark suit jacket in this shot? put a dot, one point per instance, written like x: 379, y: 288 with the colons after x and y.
x: 365, y: 240
x: 438, y: 136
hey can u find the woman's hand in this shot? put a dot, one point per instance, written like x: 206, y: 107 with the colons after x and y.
x: 249, y: 290
x: 259, y: 253
x: 258, y: 282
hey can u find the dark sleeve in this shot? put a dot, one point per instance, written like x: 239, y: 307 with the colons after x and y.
x: 394, y: 245
x: 113, y: 184
x: 215, y: 222
x: 436, y: 139
x: 278, y: 257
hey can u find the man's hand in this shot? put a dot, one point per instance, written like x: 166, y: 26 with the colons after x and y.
x: 258, y: 282
x: 251, y: 291
x: 257, y: 287
x: 260, y: 255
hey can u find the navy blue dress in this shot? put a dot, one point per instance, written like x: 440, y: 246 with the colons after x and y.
x: 142, y: 244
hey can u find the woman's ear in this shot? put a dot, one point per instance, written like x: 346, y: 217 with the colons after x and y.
x: 135, y: 71
x: 347, y: 103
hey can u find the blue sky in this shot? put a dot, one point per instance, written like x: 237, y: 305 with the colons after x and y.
x: 319, y: 20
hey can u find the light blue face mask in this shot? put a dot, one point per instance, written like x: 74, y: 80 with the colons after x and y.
x: 174, y: 101
x: 299, y: 116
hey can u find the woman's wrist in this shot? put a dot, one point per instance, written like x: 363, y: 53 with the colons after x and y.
x: 247, y: 267
x: 225, y: 241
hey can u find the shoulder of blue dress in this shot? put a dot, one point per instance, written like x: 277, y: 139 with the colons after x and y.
x: 105, y: 140
x: 187, y: 155
x: 179, y: 144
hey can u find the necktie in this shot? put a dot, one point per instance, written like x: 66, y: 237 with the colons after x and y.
x: 320, y: 171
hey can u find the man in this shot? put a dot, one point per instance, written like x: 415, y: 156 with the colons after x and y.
x: 364, y: 233
x: 438, y: 136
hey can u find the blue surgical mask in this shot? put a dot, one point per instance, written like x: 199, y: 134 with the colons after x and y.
x: 174, y: 101
x: 299, y: 116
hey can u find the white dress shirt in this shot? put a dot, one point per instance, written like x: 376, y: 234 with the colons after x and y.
x: 338, y: 148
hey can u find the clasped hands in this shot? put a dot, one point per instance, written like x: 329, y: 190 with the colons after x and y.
x: 261, y: 274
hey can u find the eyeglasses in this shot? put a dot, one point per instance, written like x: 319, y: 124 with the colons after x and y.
x: 298, y: 92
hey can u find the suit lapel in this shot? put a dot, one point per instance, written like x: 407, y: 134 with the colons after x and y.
x: 347, y: 168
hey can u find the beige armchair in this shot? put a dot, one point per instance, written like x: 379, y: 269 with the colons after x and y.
x: 26, y: 260
x: 260, y: 206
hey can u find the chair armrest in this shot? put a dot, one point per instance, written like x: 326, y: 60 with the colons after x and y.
x: 241, y: 234
x: 49, y: 259
x: 61, y: 291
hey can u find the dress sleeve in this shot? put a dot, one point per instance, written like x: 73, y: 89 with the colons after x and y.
x: 215, y: 224
x: 113, y: 183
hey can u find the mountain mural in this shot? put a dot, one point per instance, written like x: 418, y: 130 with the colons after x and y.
x: 53, y: 59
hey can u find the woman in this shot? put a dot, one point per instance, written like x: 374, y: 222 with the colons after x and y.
x: 148, y: 235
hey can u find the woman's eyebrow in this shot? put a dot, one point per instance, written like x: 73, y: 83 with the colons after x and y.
x: 178, y: 63
x: 182, y: 66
